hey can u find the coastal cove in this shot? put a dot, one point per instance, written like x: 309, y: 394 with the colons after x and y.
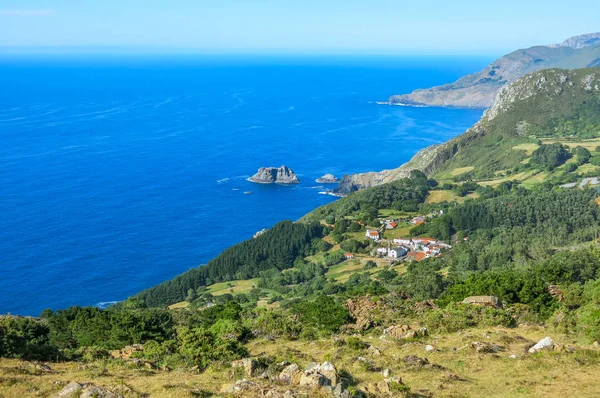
x: 120, y: 173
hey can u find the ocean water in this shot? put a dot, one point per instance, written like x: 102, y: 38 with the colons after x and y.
x: 117, y: 173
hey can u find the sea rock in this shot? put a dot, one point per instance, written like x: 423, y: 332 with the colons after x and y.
x: 543, y: 344
x: 274, y: 175
x: 327, y: 179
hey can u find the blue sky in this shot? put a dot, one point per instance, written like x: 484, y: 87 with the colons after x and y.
x: 338, y: 26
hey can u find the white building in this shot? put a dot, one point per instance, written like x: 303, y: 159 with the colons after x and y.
x: 372, y: 234
x: 397, y: 252
x: 382, y: 251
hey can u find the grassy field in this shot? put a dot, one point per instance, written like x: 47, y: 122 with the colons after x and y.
x: 590, y: 144
x: 527, y: 147
x: 462, y: 372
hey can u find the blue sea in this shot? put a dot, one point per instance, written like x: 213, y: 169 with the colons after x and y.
x: 120, y: 172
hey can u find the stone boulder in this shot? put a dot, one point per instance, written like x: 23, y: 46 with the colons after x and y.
x: 79, y: 390
x: 485, y: 301
x: 248, y: 364
x: 291, y: 374
x: 126, y: 352
x: 544, y: 344
x: 397, y: 331
x: 484, y: 348
x: 324, y: 374
x: 416, y: 333
x: 274, y: 175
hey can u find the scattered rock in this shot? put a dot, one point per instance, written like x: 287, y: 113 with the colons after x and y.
x: 126, y: 352
x: 430, y: 348
x: 379, y: 388
x: 416, y: 333
x: 486, y: 301
x: 313, y: 379
x: 98, y: 392
x: 324, y: 374
x: 70, y: 389
x: 485, y: 348
x: 386, y: 373
x: 248, y: 364
x: 374, y: 351
x: 543, y: 344
x: 454, y: 377
x: 512, y: 356
x: 327, y: 179
x: 340, y: 392
x: 239, y: 386
x: 291, y: 374
x: 415, y: 360
x: 274, y: 175
x: 397, y: 331
x: 86, y: 391
x: 44, y: 368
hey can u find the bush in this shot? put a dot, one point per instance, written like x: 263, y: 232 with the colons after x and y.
x: 462, y: 316
x: 323, y: 314
x: 203, y: 347
x: 570, y: 167
x: 25, y: 338
x: 356, y: 344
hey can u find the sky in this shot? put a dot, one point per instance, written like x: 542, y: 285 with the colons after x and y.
x: 293, y: 26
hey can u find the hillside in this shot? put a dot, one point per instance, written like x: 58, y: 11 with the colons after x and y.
x: 479, y: 89
x: 550, y: 105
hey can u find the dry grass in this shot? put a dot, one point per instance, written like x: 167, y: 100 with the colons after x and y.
x: 464, y: 372
x: 590, y: 144
x: 440, y: 196
x: 528, y: 148
x: 461, y: 170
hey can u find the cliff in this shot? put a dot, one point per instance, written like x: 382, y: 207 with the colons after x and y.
x: 540, y: 104
x: 274, y: 175
x: 479, y: 89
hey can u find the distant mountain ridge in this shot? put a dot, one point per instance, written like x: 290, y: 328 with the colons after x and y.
x: 479, y: 89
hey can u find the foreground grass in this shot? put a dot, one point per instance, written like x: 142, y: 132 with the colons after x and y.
x: 463, y: 372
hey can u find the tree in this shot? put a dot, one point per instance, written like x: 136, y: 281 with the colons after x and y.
x: 583, y: 155
x: 549, y: 156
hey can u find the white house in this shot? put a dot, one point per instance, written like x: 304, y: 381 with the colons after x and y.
x: 372, y: 234
x: 403, y: 241
x: 397, y: 252
x: 382, y: 251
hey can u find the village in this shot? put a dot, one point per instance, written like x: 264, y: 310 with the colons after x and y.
x: 403, y: 248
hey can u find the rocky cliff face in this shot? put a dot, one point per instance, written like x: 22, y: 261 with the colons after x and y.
x: 274, y: 175
x: 582, y: 41
x: 478, y: 90
x: 542, y: 87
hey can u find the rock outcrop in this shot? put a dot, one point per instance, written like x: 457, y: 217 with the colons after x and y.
x: 478, y: 90
x: 274, y: 175
x: 87, y: 390
x: 327, y: 179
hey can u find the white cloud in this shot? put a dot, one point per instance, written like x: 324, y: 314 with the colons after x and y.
x: 26, y: 13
